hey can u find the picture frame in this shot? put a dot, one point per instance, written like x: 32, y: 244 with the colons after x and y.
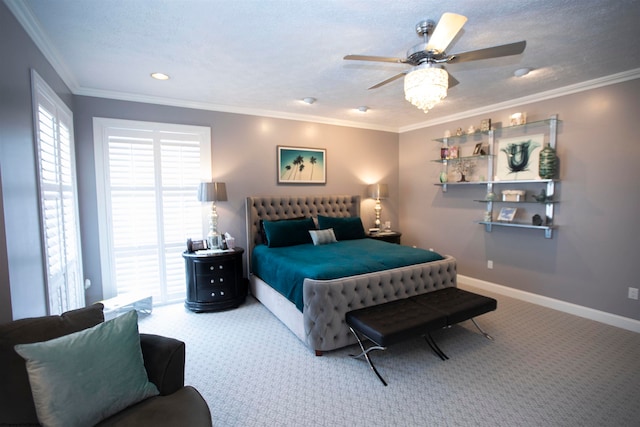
x: 507, y: 214
x: 484, y: 150
x: 453, y: 152
x: 518, y: 158
x: 477, y: 151
x: 301, y: 165
x: 485, y: 125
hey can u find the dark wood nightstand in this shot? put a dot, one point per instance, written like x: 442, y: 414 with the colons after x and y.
x: 386, y: 236
x: 215, y: 280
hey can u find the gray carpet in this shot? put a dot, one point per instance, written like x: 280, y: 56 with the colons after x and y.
x: 545, y: 368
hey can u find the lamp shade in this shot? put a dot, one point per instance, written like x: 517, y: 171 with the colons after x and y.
x: 212, y: 192
x: 378, y: 191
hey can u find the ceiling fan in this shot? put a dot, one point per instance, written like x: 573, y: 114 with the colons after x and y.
x: 430, y: 56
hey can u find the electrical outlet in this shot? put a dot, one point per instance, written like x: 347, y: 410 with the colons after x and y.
x: 490, y: 264
x: 633, y: 293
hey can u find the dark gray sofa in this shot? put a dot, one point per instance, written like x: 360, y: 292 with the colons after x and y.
x: 164, y: 359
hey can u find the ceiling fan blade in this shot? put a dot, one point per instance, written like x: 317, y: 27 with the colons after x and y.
x: 375, y: 58
x: 446, y: 30
x: 389, y: 80
x: 452, y: 81
x: 490, y: 52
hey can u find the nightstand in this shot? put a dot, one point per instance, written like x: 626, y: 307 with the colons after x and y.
x: 386, y: 236
x: 214, y: 280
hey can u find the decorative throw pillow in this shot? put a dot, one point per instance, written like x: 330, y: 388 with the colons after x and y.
x: 322, y: 237
x: 263, y: 233
x: 83, y: 378
x: 349, y: 228
x: 288, y: 233
x: 16, y: 402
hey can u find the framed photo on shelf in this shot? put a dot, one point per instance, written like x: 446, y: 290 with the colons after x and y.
x: 485, y: 125
x: 484, y: 150
x: 478, y: 149
x: 518, y: 158
x: 299, y: 165
x: 453, y: 152
x: 507, y: 214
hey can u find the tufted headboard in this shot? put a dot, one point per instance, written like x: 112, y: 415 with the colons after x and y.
x: 282, y: 207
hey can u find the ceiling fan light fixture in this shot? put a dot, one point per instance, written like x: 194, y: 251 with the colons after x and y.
x: 425, y: 86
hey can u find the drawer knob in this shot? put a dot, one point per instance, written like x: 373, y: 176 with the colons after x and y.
x: 221, y: 267
x: 212, y: 281
x: 211, y: 267
x: 213, y: 294
x: 221, y: 292
x: 221, y: 279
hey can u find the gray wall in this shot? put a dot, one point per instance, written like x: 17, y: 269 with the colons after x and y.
x: 22, y: 289
x: 591, y: 259
x: 244, y: 156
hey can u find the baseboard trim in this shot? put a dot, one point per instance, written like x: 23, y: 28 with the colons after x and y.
x: 567, y: 307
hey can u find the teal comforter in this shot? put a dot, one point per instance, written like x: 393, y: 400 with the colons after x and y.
x: 285, y: 268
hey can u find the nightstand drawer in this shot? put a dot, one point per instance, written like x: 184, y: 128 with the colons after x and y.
x: 213, y: 293
x: 217, y: 266
x: 214, y: 279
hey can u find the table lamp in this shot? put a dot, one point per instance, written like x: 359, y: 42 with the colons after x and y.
x: 213, y: 192
x: 378, y: 191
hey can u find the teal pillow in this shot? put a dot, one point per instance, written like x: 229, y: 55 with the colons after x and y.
x: 82, y: 378
x: 288, y: 233
x: 349, y: 228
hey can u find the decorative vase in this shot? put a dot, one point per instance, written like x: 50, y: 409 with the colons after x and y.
x: 443, y: 177
x: 548, y: 163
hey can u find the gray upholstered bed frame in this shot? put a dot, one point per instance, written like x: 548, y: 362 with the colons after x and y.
x: 321, y: 325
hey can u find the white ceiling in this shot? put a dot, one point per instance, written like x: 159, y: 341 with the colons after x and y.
x: 263, y: 56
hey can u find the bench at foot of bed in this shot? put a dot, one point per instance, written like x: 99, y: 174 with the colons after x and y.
x: 399, y: 320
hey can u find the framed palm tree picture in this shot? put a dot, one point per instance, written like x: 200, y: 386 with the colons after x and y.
x: 300, y: 165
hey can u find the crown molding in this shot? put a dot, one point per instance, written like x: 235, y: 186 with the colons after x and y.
x: 542, y: 96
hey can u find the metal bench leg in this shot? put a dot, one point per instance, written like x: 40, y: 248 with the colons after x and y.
x: 365, y: 353
x: 486, y: 335
x: 434, y: 346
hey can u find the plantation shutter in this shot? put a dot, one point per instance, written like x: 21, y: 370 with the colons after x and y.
x: 58, y: 199
x: 151, y: 180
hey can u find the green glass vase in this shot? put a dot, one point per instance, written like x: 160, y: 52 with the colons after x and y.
x: 548, y: 163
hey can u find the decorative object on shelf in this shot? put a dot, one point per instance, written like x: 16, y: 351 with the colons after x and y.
x: 542, y: 197
x: 299, y: 165
x: 518, y: 158
x: 447, y: 133
x: 478, y: 148
x: 471, y: 130
x: 463, y: 167
x: 213, y: 192
x: 484, y: 150
x: 548, y: 162
x: 513, y: 195
x: 517, y: 119
x: 443, y: 177
x: 444, y: 153
x: 507, y: 214
x: 485, y: 125
x: 459, y: 132
x: 488, y: 216
x: 453, y: 152
x: 378, y: 191
x: 536, y: 220
x: 491, y: 196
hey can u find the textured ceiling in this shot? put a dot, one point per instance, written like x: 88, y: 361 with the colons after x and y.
x: 263, y: 56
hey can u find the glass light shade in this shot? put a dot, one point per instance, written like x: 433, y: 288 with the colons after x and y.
x: 425, y: 86
x: 212, y: 192
x: 378, y: 191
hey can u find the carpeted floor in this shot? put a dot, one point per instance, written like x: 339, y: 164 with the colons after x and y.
x: 545, y: 368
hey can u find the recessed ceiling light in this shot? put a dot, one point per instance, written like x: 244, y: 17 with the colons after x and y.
x: 521, y: 72
x: 309, y: 100
x: 160, y: 76
x: 363, y: 108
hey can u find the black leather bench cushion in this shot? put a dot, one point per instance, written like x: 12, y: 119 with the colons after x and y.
x: 395, y: 321
x: 457, y: 304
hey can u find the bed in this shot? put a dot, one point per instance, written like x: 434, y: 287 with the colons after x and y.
x: 318, y: 320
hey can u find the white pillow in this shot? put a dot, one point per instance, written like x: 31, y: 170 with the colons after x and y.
x: 322, y: 237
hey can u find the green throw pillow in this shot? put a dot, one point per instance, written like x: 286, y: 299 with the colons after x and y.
x: 83, y: 378
x: 288, y: 233
x: 345, y: 228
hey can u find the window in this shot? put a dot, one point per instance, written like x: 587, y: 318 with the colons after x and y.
x: 148, y: 175
x: 53, y: 123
